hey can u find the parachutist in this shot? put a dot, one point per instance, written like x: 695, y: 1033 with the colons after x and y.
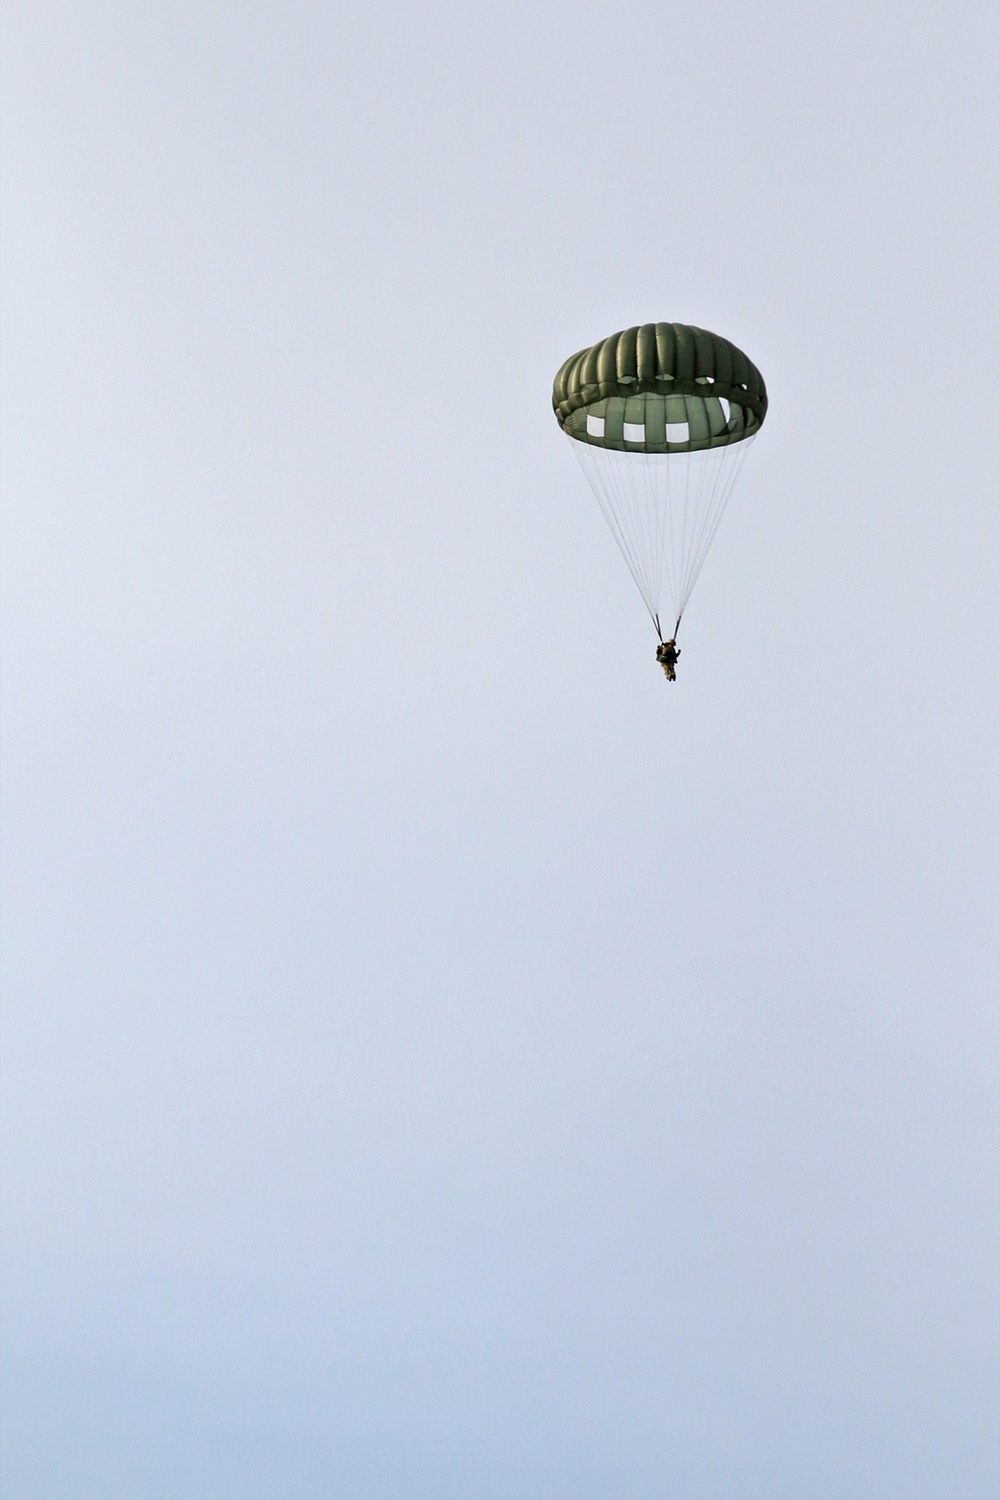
x: 667, y: 653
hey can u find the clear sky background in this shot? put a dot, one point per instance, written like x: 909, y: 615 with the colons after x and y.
x: 442, y: 1062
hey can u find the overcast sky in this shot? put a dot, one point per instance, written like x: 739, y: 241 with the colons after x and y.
x: 442, y: 1061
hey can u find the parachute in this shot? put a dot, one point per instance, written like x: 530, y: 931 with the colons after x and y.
x: 661, y: 418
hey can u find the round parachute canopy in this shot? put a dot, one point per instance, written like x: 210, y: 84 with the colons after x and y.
x: 661, y: 388
x: 661, y: 418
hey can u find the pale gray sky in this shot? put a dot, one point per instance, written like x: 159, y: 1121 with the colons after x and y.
x: 442, y: 1062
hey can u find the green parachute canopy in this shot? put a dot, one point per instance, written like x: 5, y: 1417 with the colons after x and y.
x: 661, y: 388
x: 661, y: 418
